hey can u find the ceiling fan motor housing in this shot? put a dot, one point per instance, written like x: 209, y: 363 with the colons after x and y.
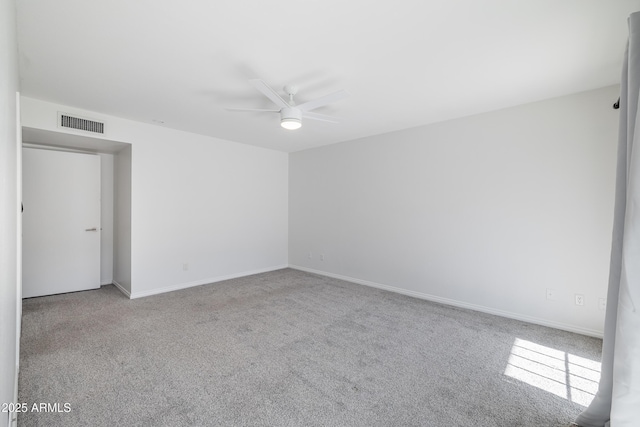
x: 290, y: 118
x: 290, y: 113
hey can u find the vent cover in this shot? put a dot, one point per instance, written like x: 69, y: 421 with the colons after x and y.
x: 78, y: 123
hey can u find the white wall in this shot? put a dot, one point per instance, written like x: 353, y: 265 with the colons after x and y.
x: 106, y: 218
x: 122, y: 220
x: 202, y: 209
x: 9, y: 221
x: 485, y: 212
x: 217, y: 206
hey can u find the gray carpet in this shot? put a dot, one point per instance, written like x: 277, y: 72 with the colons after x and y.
x: 284, y: 348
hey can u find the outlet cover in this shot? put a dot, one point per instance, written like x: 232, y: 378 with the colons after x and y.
x: 602, y: 304
x: 579, y: 299
x: 551, y: 294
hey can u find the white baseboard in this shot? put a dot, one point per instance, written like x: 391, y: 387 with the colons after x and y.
x: 461, y: 304
x: 179, y: 286
x: 122, y: 289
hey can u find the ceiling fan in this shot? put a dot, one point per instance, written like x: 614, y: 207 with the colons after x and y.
x: 291, y: 114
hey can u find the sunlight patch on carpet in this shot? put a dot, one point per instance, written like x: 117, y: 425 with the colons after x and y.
x: 566, y: 375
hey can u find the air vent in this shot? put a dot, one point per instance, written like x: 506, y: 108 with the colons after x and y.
x: 78, y: 123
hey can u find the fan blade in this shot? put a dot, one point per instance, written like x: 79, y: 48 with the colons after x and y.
x: 269, y: 93
x: 252, y: 110
x: 320, y: 117
x: 324, y: 100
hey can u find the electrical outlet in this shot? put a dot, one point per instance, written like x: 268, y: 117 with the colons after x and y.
x: 579, y: 299
x: 185, y: 266
x: 602, y: 304
x: 321, y: 257
x: 551, y: 294
x: 310, y: 255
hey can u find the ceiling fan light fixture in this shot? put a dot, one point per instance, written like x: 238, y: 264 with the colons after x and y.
x: 291, y: 118
x: 290, y: 123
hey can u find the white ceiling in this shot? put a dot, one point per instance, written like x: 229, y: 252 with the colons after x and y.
x: 405, y: 63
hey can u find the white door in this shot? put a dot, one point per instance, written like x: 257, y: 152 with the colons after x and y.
x: 60, y: 222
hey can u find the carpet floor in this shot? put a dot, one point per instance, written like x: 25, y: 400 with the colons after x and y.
x: 288, y: 348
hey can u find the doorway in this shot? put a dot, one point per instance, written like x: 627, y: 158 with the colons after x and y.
x: 115, y: 236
